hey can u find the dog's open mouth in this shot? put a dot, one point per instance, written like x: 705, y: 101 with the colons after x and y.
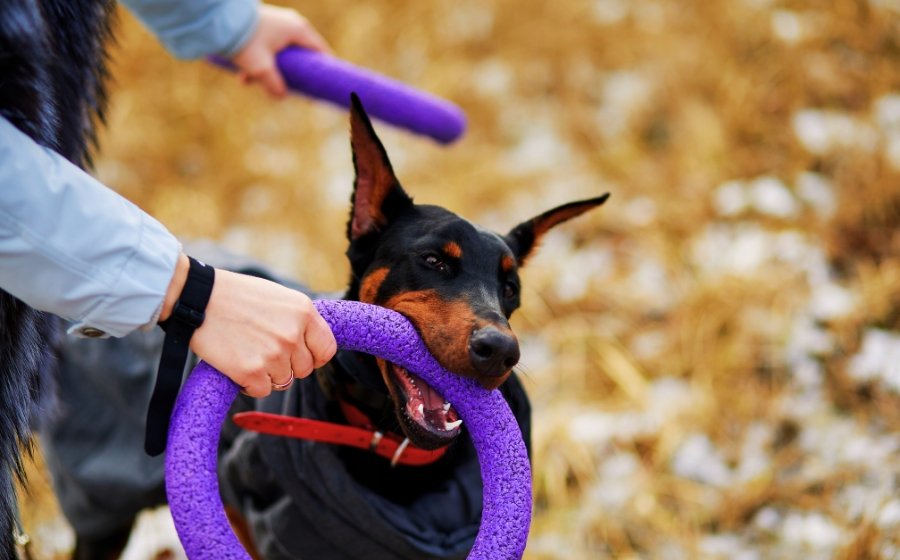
x: 427, y: 419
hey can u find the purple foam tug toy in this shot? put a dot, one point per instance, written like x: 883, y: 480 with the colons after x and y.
x: 193, y: 489
x: 331, y: 79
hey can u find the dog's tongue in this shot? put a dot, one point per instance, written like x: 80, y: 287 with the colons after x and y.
x: 426, y: 406
x: 430, y: 398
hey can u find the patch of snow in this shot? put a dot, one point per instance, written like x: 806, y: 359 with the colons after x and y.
x: 665, y: 399
x: 640, y: 211
x: 256, y: 201
x: 812, y: 530
x: 492, y: 77
x: 808, y: 373
x: 890, y: 6
x: 697, y: 458
x: 771, y: 197
x: 468, y: 21
x: 787, y: 26
x: 807, y: 341
x: 617, y: 482
x: 730, y: 198
x: 889, y: 516
x: 541, y: 147
x: 829, y: 300
x: 767, y: 519
x: 553, y: 544
x: 537, y: 355
x: 817, y: 192
x: 727, y: 546
x: 738, y: 249
x: 154, y: 533
x: 650, y: 282
x: 878, y: 359
x: 887, y: 112
x: 649, y: 344
x: 887, y: 116
x: 593, y: 264
x: 611, y: 12
x: 822, y: 132
x: 832, y: 443
x: 754, y: 458
x: 625, y: 95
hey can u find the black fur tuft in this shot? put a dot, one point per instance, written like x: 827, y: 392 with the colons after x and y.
x: 53, y: 67
x: 26, y: 93
x: 25, y: 355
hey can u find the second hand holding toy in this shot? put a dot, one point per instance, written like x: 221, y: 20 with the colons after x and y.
x: 328, y: 78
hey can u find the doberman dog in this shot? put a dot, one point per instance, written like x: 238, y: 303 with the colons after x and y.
x: 458, y: 284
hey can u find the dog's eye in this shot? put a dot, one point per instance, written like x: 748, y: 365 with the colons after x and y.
x: 435, y: 262
x: 510, y: 290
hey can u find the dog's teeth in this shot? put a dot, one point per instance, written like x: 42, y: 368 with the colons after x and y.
x: 421, y: 409
x: 446, y: 406
x: 452, y: 425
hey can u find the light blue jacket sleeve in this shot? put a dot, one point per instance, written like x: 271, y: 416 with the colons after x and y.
x: 194, y: 28
x: 75, y: 248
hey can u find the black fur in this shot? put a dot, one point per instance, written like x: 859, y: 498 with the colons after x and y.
x: 52, y: 69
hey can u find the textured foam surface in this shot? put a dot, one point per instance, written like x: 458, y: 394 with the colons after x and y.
x: 191, y: 482
x: 192, y: 486
x: 331, y: 79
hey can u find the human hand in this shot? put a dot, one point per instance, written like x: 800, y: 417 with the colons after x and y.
x: 257, y: 332
x: 277, y: 28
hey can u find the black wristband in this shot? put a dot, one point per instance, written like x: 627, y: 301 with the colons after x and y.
x: 186, y: 317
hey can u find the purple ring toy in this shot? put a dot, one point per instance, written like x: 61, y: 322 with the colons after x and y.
x: 192, y: 486
x: 328, y: 78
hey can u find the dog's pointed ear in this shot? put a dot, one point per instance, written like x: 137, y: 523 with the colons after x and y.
x: 524, y: 238
x: 377, y: 195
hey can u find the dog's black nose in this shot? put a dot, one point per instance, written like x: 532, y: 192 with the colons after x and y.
x: 493, y: 352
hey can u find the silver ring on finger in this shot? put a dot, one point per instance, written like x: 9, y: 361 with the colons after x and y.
x: 285, y: 385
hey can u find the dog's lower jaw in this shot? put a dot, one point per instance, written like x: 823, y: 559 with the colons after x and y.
x: 425, y: 417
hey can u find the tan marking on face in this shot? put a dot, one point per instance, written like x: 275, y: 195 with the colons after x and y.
x: 368, y: 288
x: 507, y: 263
x: 444, y: 326
x: 491, y: 383
x: 452, y: 249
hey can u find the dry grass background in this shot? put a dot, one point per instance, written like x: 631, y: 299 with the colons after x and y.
x: 714, y: 356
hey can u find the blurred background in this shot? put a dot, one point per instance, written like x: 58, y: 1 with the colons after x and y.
x: 714, y: 355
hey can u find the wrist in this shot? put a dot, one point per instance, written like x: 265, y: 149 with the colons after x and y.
x: 183, y: 313
x: 176, y: 286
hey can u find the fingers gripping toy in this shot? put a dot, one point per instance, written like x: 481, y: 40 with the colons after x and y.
x: 331, y: 79
x: 192, y: 486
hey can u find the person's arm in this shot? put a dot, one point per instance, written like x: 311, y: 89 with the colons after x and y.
x: 191, y: 29
x: 72, y: 247
x: 248, y: 33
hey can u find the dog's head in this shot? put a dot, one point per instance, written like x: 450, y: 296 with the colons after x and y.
x: 457, y: 283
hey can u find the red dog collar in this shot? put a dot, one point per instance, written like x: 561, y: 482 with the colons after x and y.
x: 389, y: 446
